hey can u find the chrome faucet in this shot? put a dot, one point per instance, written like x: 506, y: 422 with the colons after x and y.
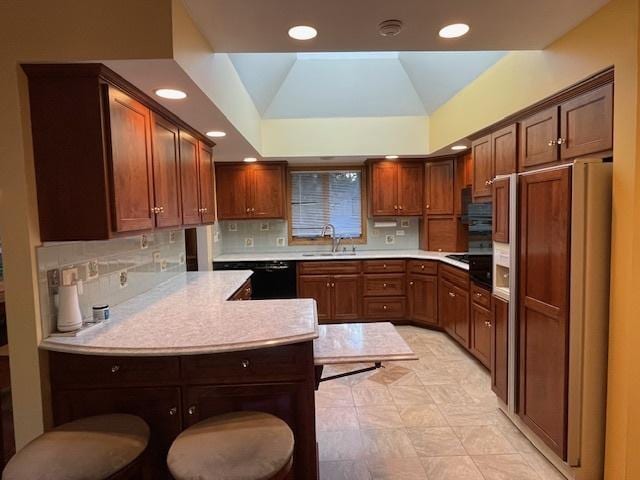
x: 334, y: 242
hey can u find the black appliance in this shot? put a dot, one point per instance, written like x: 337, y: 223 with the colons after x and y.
x: 270, y: 279
x: 460, y: 257
x: 480, y: 243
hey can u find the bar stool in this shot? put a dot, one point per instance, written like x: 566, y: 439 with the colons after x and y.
x: 233, y: 446
x: 92, y: 448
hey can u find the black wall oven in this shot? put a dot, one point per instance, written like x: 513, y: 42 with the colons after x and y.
x: 480, y: 243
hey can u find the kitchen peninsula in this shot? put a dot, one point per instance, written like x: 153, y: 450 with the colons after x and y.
x: 182, y: 352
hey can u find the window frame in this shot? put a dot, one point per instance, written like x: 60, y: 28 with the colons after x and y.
x: 362, y: 239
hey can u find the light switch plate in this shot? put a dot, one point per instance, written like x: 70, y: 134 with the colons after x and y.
x: 399, y: 233
x: 181, y: 258
x: 69, y: 276
x: 163, y: 265
x: 216, y: 236
x: 404, y: 223
x: 248, y: 242
x: 281, y: 242
x: 389, y: 239
x: 144, y: 241
x: 123, y: 277
x: 157, y: 257
x: 264, y: 226
x: 92, y: 269
x: 173, y: 236
x: 233, y: 227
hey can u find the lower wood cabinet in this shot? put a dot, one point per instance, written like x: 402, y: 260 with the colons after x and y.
x: 422, y: 295
x: 317, y: 287
x: 384, y: 308
x: 500, y: 349
x: 481, y: 324
x: 453, y: 307
x: 338, y: 297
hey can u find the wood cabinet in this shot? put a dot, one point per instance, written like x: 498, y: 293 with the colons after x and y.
x: 504, y: 150
x: 317, y: 287
x: 481, y: 324
x: 207, y: 183
x: 500, y: 349
x: 244, y: 292
x: 579, y: 126
x: 439, y: 187
x: 493, y: 154
x: 422, y: 294
x: 482, y: 168
x: 443, y: 234
x: 500, y: 206
x: 544, y: 225
x: 395, y: 188
x: 196, y: 173
x: 106, y: 156
x: 381, y: 285
x: 247, y: 191
x: 384, y: 293
x: 338, y: 297
x: 453, y: 303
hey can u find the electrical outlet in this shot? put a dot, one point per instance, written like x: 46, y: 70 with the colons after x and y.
x: 404, y: 223
x: 248, y: 242
x: 70, y: 276
x: 124, y: 279
x: 264, y: 226
x: 144, y: 241
x: 389, y: 239
x: 53, y: 279
x: 92, y: 269
x: 173, y: 235
x: 163, y: 265
x: 280, y: 241
x: 233, y: 227
x: 399, y: 233
x: 216, y: 236
x: 156, y: 257
x: 181, y: 258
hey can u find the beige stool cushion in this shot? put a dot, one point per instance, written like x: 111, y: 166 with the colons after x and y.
x: 234, y: 446
x: 91, y: 448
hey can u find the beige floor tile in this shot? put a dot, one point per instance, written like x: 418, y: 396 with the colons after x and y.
x: 334, y: 395
x: 371, y: 395
x: 504, y: 467
x: 379, y: 416
x: 517, y: 439
x: 386, y: 443
x: 434, y: 377
x: 339, y: 445
x: 483, y: 440
x: 422, y: 416
x: 336, y: 418
x: 452, y: 394
x: 451, y: 468
x: 435, y: 441
x: 345, y: 470
x: 470, y: 414
x: 393, y: 468
x: 410, y: 395
x: 410, y: 379
x: 542, y: 466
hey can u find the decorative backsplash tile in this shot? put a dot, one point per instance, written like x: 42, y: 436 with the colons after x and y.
x: 272, y: 235
x: 145, y: 260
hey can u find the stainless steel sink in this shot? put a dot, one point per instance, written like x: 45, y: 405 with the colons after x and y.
x: 329, y: 254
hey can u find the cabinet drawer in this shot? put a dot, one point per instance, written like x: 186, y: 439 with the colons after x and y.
x: 481, y: 296
x: 384, y: 285
x: 327, y: 268
x: 428, y: 267
x: 272, y: 364
x: 455, y: 275
x: 244, y: 292
x: 71, y: 370
x: 390, y: 308
x: 384, y: 266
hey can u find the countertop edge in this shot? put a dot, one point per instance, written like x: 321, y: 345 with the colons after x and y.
x: 364, y: 359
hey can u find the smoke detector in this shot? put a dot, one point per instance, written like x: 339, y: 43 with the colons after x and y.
x: 390, y: 28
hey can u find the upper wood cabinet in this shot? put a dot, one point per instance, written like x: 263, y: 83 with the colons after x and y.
x: 580, y: 126
x: 107, y: 157
x: 396, y: 188
x: 439, y: 187
x: 482, y: 168
x: 500, y: 205
x: 206, y: 183
x: 250, y: 190
x: 504, y: 150
x: 191, y: 213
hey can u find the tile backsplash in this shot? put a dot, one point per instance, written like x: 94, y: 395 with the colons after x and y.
x: 272, y: 235
x: 148, y: 260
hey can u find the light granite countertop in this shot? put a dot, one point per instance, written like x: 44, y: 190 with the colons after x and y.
x: 191, y: 314
x: 360, y: 255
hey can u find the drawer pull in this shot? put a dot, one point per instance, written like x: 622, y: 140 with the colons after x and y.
x: 411, y: 284
x: 384, y: 265
x: 191, y: 410
x: 384, y: 307
x: 451, y: 294
x: 328, y: 284
x: 245, y: 363
x: 422, y: 267
x: 115, y: 369
x: 173, y: 411
x: 488, y: 324
x: 384, y: 285
x: 478, y: 295
x: 333, y: 285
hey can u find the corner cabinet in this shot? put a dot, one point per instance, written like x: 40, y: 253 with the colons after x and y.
x: 247, y: 191
x: 107, y: 157
x: 395, y: 188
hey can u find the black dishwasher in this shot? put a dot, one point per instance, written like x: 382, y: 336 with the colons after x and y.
x: 270, y: 279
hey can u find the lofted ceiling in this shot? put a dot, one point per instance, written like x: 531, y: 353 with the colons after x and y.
x: 356, y: 84
x: 352, y: 25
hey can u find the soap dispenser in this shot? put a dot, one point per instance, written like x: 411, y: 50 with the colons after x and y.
x: 69, y: 314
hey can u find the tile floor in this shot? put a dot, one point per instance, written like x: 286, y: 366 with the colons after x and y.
x: 432, y: 419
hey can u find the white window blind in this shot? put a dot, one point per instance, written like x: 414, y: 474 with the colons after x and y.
x: 322, y: 197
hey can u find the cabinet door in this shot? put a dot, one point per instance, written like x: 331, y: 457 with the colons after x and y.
x: 232, y: 189
x: 266, y: 194
x: 538, y: 139
x: 500, y: 349
x: 347, y: 297
x: 189, y: 183
x: 445, y: 306
x: 423, y: 299
x: 482, y: 168
x: 545, y: 206
x: 131, y: 163
x: 455, y: 311
x: 481, y: 334
x: 317, y: 287
x: 166, y: 172
x: 159, y: 407
x: 442, y: 234
x: 504, y: 145
x: 207, y: 184
x: 586, y: 123
x: 384, y: 189
x: 439, y: 187
x: 410, y: 188
x: 500, y: 207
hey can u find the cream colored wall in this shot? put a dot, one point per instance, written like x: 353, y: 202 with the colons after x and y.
x: 610, y: 37
x: 314, y: 137
x: 50, y: 31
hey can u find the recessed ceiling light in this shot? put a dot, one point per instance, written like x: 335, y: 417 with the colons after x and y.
x: 454, y: 30
x: 251, y: 159
x: 171, y: 93
x: 216, y: 134
x: 391, y: 157
x: 459, y: 147
x: 302, y: 32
